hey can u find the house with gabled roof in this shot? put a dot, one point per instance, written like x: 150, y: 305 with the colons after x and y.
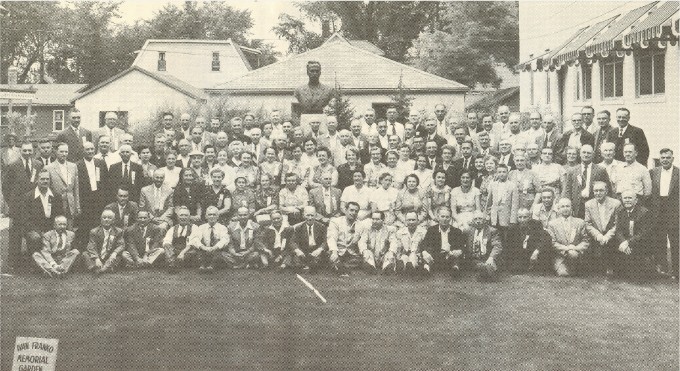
x: 627, y: 60
x: 358, y: 67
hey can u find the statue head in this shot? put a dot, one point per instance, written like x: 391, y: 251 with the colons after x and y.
x: 314, y: 71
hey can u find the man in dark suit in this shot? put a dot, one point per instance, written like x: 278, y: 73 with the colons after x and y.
x: 600, y: 221
x: 505, y: 155
x: 466, y: 163
x: 326, y: 200
x: 45, y: 152
x: 75, y: 137
x: 432, y: 135
x: 665, y: 206
x: 105, y: 246
x: 125, y: 211
x: 39, y: 207
x: 443, y: 245
x: 626, y: 133
x: 600, y: 134
x: 309, y: 244
x: 528, y: 245
x: 432, y: 154
x: 577, y: 137
x: 91, y: 173
x: 274, y: 239
x: 483, y: 247
x: 158, y: 150
x: 143, y: 242
x: 551, y: 135
x: 577, y: 184
x: 18, y: 177
x: 125, y: 173
x: 633, y: 230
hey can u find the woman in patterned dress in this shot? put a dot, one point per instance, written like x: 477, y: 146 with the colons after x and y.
x: 243, y: 195
x: 410, y: 198
x: 323, y: 154
x: 271, y: 166
x: 384, y: 198
x: 464, y: 202
x: 490, y: 164
x: 438, y: 194
x: 267, y: 195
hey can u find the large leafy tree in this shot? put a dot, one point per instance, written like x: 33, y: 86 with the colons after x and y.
x: 468, y: 40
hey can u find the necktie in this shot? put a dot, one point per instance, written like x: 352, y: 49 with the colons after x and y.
x: 585, y: 177
x: 61, y: 242
x: 545, y: 141
x: 312, y: 242
x: 394, y: 130
x: 46, y: 161
x: 105, y: 248
x: 327, y: 198
x: 212, y: 236
x: 620, y: 133
x: 181, y: 231
x: 126, y: 172
x: 28, y: 170
x: 466, y: 162
x: 243, y: 238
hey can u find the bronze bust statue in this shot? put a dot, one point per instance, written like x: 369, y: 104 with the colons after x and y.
x: 314, y: 95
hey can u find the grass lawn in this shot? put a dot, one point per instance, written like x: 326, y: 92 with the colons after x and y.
x: 269, y: 320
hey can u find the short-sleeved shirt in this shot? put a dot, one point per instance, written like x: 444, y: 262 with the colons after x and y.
x: 361, y: 196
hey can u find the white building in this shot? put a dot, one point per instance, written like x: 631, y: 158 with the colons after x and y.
x: 366, y: 77
x: 628, y: 60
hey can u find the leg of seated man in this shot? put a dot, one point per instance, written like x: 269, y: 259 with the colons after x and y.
x: 562, y: 266
x: 43, y: 264
x: 68, y: 259
x: 151, y: 256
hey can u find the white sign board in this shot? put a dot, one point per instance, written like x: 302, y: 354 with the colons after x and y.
x: 35, y: 354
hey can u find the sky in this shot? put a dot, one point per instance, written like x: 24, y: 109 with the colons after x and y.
x: 543, y: 24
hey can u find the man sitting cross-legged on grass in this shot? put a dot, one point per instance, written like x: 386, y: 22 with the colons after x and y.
x: 377, y: 244
x: 178, y: 252
x: 105, y: 245
x: 343, y: 237
x: 443, y: 244
x: 273, y: 240
x: 209, y: 240
x: 529, y: 246
x: 242, y: 251
x: 407, y: 243
x: 570, y: 239
x: 143, y: 241
x: 483, y: 247
x: 57, y: 254
x: 309, y: 244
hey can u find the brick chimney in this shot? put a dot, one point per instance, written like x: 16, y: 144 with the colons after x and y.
x: 12, y: 75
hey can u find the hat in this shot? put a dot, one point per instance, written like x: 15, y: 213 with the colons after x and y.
x: 196, y: 153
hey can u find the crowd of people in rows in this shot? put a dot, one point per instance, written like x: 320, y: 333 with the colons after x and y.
x: 425, y: 195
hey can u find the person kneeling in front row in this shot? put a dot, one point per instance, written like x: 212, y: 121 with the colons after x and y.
x: 570, y: 239
x: 343, y: 238
x: 209, y: 240
x: 308, y: 245
x: 143, y: 241
x: 483, y: 247
x: 57, y: 254
x: 377, y: 245
x: 105, y: 245
x: 443, y: 244
x: 407, y: 244
x: 178, y: 252
x: 242, y: 251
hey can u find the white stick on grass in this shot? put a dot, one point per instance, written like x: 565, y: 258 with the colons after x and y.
x: 309, y: 285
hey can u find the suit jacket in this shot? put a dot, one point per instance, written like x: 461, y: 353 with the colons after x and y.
x: 260, y: 153
x: 633, y: 135
x: 490, y: 240
x: 572, y: 184
x: 104, y: 131
x: 15, y: 183
x: 451, y: 173
x: 67, y: 188
x: 39, y: 159
x: 114, y: 179
x: 91, y: 200
x: 251, y: 231
x: 560, y: 148
x: 596, y: 225
x: 32, y: 213
x: 642, y: 225
x: 432, y: 242
x: 600, y: 136
x: 51, y: 246
x: 74, y: 141
x: 502, y: 206
x: 129, y: 216
x: 378, y: 242
x: 301, y: 238
x: 316, y: 199
x: 459, y: 169
x: 135, y: 241
x: 439, y: 140
x: 266, y: 238
x: 96, y: 244
x: 511, y: 160
x: 570, y: 232
x: 673, y: 192
x: 146, y: 202
x: 539, y: 239
x: 548, y: 140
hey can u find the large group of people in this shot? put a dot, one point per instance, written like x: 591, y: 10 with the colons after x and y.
x: 425, y: 195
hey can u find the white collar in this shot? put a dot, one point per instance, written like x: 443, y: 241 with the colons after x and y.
x: 38, y: 194
x: 670, y: 170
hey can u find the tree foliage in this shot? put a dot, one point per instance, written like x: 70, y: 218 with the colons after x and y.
x: 402, y: 100
x: 299, y: 38
x: 469, y: 39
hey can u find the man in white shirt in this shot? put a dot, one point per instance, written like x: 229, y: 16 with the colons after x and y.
x: 588, y: 114
x: 342, y: 238
x: 633, y: 176
x: 209, y: 240
x: 501, y: 126
x: 377, y: 245
x: 664, y: 205
x: 58, y: 249
x: 176, y: 241
x: 109, y: 158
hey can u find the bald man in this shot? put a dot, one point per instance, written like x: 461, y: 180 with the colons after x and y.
x: 576, y: 138
x: 111, y: 130
x: 58, y: 249
x: 106, y: 243
x: 124, y: 173
x: 569, y: 238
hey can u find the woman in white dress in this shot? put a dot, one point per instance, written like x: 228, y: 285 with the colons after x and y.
x: 464, y: 202
x: 271, y: 166
x: 423, y: 173
x: 384, y: 197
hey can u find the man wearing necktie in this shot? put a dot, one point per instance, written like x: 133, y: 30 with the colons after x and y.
x: 309, y: 243
x: 57, y: 254
x: 443, y: 245
x: 209, y: 240
x: 156, y: 198
x: 635, y: 253
x: 600, y: 218
x: 483, y: 247
x: 528, y: 246
x: 325, y: 199
x: 143, y: 242
x: 105, y: 245
x: 127, y: 173
x: 273, y: 239
x: 243, y: 252
x: 377, y: 244
x: 175, y: 243
x: 578, y: 181
x: 74, y: 136
x: 343, y: 237
x: 124, y: 209
x: 626, y: 133
x: 570, y: 240
x: 665, y: 207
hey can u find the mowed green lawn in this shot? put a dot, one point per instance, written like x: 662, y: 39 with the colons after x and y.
x: 267, y: 320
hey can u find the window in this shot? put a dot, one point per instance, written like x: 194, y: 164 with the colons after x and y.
x: 587, y: 81
x: 547, y: 87
x: 57, y: 120
x: 612, y: 79
x: 216, y: 61
x: 161, y: 61
x: 577, y: 89
x: 650, y: 74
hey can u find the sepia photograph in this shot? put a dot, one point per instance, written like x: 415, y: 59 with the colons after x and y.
x: 339, y: 185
